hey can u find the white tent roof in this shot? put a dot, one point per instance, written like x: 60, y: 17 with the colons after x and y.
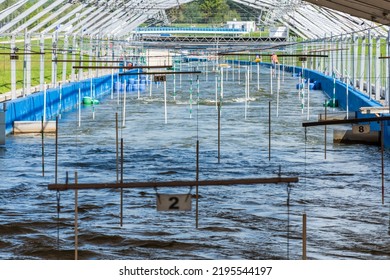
x: 120, y: 17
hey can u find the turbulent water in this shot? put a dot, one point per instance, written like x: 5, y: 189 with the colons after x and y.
x: 341, y: 195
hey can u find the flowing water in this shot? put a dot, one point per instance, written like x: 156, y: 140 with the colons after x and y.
x: 341, y: 195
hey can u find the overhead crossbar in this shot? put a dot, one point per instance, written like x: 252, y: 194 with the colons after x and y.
x: 332, y: 122
x: 160, y: 73
x: 227, y: 182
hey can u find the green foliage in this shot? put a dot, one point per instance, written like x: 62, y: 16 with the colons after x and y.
x: 203, y: 11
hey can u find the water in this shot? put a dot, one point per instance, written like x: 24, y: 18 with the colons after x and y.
x: 340, y: 195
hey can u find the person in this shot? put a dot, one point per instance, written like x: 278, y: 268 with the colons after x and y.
x: 258, y: 58
x: 274, y: 61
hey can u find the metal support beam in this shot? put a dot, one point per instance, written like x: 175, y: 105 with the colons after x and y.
x: 27, y: 67
x: 227, y: 182
x: 334, y: 122
x: 64, y: 57
x: 377, y: 63
x: 42, y: 62
x: 22, y: 16
x: 13, y: 69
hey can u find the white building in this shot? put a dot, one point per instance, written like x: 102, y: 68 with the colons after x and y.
x: 248, y: 26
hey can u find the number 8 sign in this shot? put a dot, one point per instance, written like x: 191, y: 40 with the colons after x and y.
x: 361, y: 129
x: 174, y: 202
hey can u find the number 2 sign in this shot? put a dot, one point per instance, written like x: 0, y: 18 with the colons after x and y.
x: 174, y: 202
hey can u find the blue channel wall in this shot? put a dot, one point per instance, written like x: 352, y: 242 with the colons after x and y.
x: 30, y: 108
x: 356, y: 99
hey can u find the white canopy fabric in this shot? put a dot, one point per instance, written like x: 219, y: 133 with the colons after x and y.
x: 118, y: 18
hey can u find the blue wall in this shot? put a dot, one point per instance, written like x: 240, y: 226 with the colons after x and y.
x: 30, y: 108
x: 356, y: 99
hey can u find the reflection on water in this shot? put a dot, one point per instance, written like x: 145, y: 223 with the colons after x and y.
x: 341, y: 195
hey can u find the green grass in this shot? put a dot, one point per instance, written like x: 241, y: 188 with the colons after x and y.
x: 5, y: 66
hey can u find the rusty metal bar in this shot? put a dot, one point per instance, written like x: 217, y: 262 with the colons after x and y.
x: 160, y: 184
x: 333, y: 122
x: 160, y: 73
x: 121, y: 67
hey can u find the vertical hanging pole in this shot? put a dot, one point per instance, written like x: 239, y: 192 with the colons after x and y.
x: 60, y: 103
x: 258, y: 76
x: 138, y: 84
x: 43, y: 148
x: 44, y: 103
x: 269, y: 130
x: 79, y: 109
x: 326, y: 111
x: 117, y: 146
x: 151, y: 85
x: 246, y: 89
x: 124, y: 106
x: 216, y: 92
x: 271, y: 82
x: 347, y: 95
x: 382, y: 160
x: 76, y: 217
x: 197, y: 183
x: 278, y: 91
x: 56, y: 154
x: 238, y: 72
x: 308, y: 98
x: 174, y: 86
x: 219, y: 132
x: 304, y: 237
x: 221, y: 82
x: 112, y: 83
x: 121, y: 198
x: 165, y: 102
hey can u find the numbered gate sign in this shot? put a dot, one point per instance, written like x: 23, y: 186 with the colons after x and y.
x: 173, y: 202
x: 361, y: 129
x: 160, y: 78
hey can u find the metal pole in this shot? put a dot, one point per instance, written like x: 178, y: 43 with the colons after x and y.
x: 79, y: 98
x: 124, y: 106
x: 388, y: 71
x: 382, y: 160
x: 269, y: 130
x: 304, y: 237
x: 76, y: 216
x: 197, y: 183
x: 117, y: 146
x: 219, y: 132
x: 326, y: 111
x: 43, y: 149
x: 369, y: 64
x: 56, y: 156
x: 121, y: 198
x: 165, y: 103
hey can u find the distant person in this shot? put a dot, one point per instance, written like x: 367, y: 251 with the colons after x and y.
x: 274, y: 61
x: 258, y: 58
